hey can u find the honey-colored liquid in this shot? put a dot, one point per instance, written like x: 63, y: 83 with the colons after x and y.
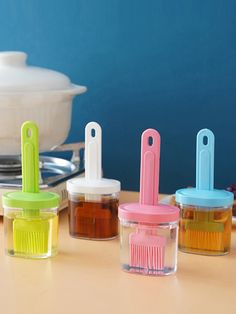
x: 93, y: 219
x: 205, y: 231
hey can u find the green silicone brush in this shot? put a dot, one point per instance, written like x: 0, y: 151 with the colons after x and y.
x: 30, y: 231
x: 34, y: 213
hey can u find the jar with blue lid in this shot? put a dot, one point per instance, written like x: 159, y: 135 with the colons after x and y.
x: 206, y: 212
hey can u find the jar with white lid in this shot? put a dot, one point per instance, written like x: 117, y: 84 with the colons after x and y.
x: 93, y: 200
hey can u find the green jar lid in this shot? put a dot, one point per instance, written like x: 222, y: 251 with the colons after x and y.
x: 27, y: 200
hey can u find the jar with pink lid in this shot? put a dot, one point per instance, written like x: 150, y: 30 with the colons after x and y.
x: 149, y: 230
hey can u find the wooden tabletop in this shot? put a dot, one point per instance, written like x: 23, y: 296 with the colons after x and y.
x: 85, y: 277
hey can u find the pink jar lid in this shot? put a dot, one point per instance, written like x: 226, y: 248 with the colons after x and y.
x: 147, y: 213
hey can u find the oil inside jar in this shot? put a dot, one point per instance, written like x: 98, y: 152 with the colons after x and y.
x: 48, y: 219
x: 205, y: 230
x: 93, y: 219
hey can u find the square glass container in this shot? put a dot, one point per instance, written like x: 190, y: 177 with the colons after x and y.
x: 31, y: 233
x: 149, y: 238
x: 93, y: 216
x: 205, y: 230
x: 159, y: 238
x: 206, y: 212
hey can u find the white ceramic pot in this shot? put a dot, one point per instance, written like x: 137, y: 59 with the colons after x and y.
x: 37, y: 94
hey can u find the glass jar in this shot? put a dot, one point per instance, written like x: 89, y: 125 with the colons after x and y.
x: 31, y: 233
x: 206, y: 212
x: 93, y: 208
x: 93, y: 200
x: 93, y: 216
x: 149, y: 238
x: 205, y: 230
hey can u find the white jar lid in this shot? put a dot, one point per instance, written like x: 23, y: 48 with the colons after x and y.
x: 84, y: 186
x: 16, y: 76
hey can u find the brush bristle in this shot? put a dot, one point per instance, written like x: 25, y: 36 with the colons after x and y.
x: 147, y: 251
x: 204, y: 235
x: 146, y: 257
x: 202, y: 240
x: 30, y: 237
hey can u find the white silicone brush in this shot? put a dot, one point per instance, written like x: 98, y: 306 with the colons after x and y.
x: 93, y: 157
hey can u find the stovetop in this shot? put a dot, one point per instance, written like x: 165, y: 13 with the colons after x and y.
x: 53, y: 170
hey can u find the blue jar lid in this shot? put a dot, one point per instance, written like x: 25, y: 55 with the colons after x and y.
x: 204, y: 194
x: 205, y: 198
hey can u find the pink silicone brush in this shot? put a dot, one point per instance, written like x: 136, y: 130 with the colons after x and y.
x: 146, y: 247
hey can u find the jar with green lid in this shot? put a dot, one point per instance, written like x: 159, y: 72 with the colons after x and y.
x: 30, y: 216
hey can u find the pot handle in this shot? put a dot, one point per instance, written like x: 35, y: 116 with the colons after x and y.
x: 13, y: 59
x: 75, y: 90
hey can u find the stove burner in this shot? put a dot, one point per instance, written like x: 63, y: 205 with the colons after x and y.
x: 10, y: 164
x: 53, y: 170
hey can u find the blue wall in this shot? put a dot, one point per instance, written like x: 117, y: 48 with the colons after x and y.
x: 164, y: 64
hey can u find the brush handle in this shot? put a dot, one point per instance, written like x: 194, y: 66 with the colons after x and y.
x: 30, y: 157
x: 205, y: 160
x: 149, y: 170
x: 93, y: 151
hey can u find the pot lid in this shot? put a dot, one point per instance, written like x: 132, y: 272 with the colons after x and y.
x: 17, y: 76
